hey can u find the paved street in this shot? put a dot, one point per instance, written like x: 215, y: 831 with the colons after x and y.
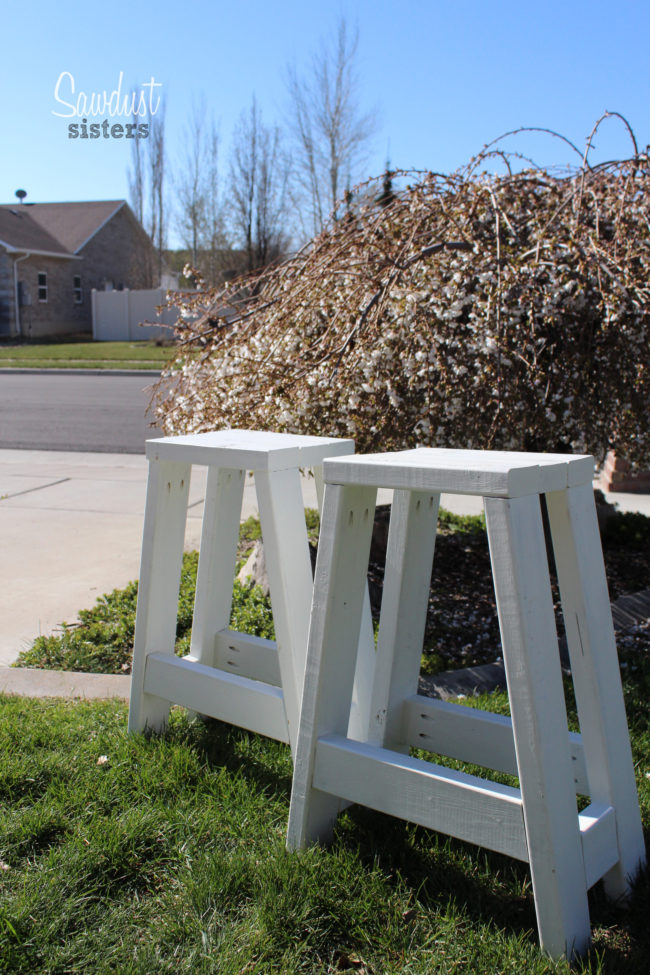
x: 79, y: 412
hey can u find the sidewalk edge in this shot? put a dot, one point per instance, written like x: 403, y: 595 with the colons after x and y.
x: 32, y: 682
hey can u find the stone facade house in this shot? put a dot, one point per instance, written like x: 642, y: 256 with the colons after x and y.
x: 53, y: 254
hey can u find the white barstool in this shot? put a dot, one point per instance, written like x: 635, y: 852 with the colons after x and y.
x: 238, y: 678
x: 537, y: 822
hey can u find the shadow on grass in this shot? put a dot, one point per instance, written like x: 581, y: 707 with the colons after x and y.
x: 263, y: 763
x: 486, y: 887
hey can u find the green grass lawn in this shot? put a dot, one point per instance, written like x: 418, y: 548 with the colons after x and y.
x: 142, y: 855
x: 126, y: 854
x: 84, y: 354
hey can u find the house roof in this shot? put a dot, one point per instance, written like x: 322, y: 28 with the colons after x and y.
x: 75, y: 223
x: 19, y: 231
x: 57, y: 228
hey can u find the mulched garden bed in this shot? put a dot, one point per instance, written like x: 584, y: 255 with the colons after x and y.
x: 462, y: 628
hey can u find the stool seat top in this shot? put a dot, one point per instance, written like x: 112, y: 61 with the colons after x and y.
x: 249, y: 450
x: 489, y: 473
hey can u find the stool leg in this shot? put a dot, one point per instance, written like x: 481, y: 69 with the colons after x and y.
x: 217, y: 560
x: 532, y: 663
x: 360, y: 715
x: 286, y: 550
x: 407, y: 582
x: 596, y: 674
x: 160, y: 572
x: 339, y: 587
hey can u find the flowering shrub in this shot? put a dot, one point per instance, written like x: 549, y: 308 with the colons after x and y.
x: 473, y: 310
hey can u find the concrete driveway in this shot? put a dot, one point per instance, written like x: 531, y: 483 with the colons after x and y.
x: 71, y: 525
x: 71, y: 530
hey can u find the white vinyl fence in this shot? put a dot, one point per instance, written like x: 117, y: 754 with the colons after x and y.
x: 117, y: 315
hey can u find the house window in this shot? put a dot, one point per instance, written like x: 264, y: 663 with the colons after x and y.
x: 76, y: 285
x: 42, y: 286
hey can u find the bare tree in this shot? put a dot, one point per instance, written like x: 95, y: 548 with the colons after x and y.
x: 258, y: 189
x: 137, y: 176
x: 146, y: 176
x: 330, y: 132
x: 189, y: 184
x: 156, y: 159
x: 199, y: 204
x: 214, y: 233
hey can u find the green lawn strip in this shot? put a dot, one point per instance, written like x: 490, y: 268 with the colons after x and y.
x: 167, y: 855
x: 86, y: 364
x: 88, y: 354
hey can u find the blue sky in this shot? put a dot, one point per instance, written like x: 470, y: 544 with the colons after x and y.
x: 444, y: 77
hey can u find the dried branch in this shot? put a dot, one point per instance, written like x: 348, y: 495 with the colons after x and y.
x: 476, y: 310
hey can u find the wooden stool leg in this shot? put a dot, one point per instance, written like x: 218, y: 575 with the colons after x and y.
x: 534, y: 677
x: 339, y: 587
x: 217, y: 560
x: 407, y: 582
x: 286, y: 550
x: 596, y: 675
x: 160, y: 572
x: 361, y: 711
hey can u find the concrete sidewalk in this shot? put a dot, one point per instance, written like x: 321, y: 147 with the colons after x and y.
x: 71, y: 529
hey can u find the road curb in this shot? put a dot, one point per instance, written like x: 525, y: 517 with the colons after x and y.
x: 32, y: 682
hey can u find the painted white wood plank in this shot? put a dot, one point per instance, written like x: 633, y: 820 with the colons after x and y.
x: 578, y: 469
x: 361, y: 708
x: 534, y: 677
x: 599, y: 846
x: 582, y: 470
x: 405, y: 596
x: 245, y: 703
x: 217, y: 559
x: 430, y: 469
x: 320, y: 486
x: 247, y: 449
x: 247, y: 656
x: 455, y: 803
x: 339, y: 588
x: 489, y: 473
x: 160, y: 570
x: 286, y: 550
x: 470, y: 735
x: 596, y: 676
x: 313, y: 450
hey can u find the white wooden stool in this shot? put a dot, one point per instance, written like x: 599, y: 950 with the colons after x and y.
x: 538, y: 822
x: 236, y: 677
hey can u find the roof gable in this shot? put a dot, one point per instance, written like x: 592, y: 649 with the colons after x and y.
x: 19, y: 231
x: 73, y: 224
